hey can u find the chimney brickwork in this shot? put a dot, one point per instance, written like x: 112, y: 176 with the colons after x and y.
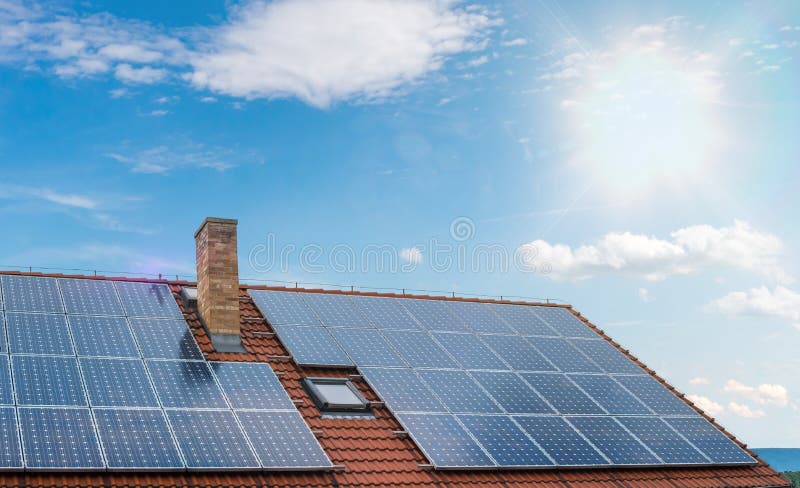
x: 218, y: 276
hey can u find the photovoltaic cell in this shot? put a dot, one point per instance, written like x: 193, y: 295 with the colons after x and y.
x: 615, y: 442
x: 283, y: 308
x: 59, y: 438
x: 713, y: 443
x: 444, y: 441
x: 136, y: 439
x: 102, y: 336
x: 282, y: 439
x: 148, y: 300
x: 3, y: 345
x: 434, y: 315
x: 185, y: 384
x: 662, y: 440
x: 562, y: 394
x: 165, y: 339
x: 479, y: 317
x: 513, y: 394
x: 251, y: 385
x: 336, y: 310
x: 211, y: 439
x: 31, y: 294
x: 6, y: 393
x: 610, y: 395
x: 504, y: 440
x: 518, y: 353
x: 38, y: 334
x: 564, y: 322
x: 655, y: 395
x: 90, y: 297
x: 419, y: 349
x: 117, y: 383
x: 386, y: 313
x: 312, y: 346
x: 10, y: 453
x: 563, y: 355
x: 469, y: 351
x: 367, y: 347
x: 608, y: 357
x: 402, y: 390
x: 458, y: 391
x: 522, y: 320
x: 47, y: 380
x: 559, y: 439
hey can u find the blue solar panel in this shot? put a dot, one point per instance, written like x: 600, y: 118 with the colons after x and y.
x: 136, y: 439
x: 518, y: 353
x: 117, y: 383
x: 513, y: 394
x: 562, y: 393
x: 608, y: 357
x: 610, y: 395
x: 444, y: 441
x: 283, y: 308
x: 313, y: 346
x: 522, y: 320
x: 251, y: 385
x: 504, y: 441
x: 165, y: 339
x: 3, y: 345
x: 419, y: 349
x: 211, y: 439
x: 38, y: 334
x: 458, y: 391
x: 59, y: 438
x: 6, y: 393
x: 434, y: 315
x: 616, y: 443
x: 282, y: 439
x: 662, y: 440
x: 655, y: 395
x: 336, y: 310
x: 469, y: 351
x: 47, y: 380
x: 186, y: 384
x: 90, y: 297
x: 402, y: 390
x: 386, y: 313
x: 31, y: 294
x: 564, y: 322
x: 367, y: 347
x: 10, y: 453
x: 148, y: 300
x: 713, y: 443
x: 103, y: 336
x: 563, y: 355
x: 479, y: 317
x: 559, y: 439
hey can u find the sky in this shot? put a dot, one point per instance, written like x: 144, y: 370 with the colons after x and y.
x: 638, y: 160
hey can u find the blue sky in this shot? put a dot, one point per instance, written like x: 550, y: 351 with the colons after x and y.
x: 638, y: 161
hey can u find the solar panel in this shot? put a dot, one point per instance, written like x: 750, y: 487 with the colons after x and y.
x: 562, y: 394
x: 419, y: 349
x: 3, y: 345
x: 31, y: 294
x: 434, y: 315
x: 470, y: 352
x: 211, y: 439
x: 90, y: 297
x: 148, y: 300
x: 713, y: 443
x: 367, y: 347
x: 513, y: 394
x: 563, y: 355
x: 479, y: 317
x: 564, y: 322
x: 283, y: 308
x: 561, y: 441
x: 509, y: 445
x: 655, y: 395
x: 402, y: 390
x: 521, y: 319
x: 38, y: 334
x: 6, y: 393
x: 282, y: 439
x: 444, y: 441
x: 136, y: 439
x: 102, y: 336
x: 336, y: 310
x: 185, y: 384
x: 10, y: 453
x: 47, y: 380
x: 117, y: 383
x: 518, y: 353
x: 458, y: 391
x: 615, y: 442
x: 386, y: 313
x: 662, y: 440
x: 59, y: 438
x: 165, y: 339
x: 609, y: 394
x: 251, y: 385
x: 608, y: 357
x: 312, y: 346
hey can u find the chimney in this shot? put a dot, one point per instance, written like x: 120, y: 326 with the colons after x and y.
x: 218, y: 283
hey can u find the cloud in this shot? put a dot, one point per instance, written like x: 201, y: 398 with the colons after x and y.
x: 165, y: 159
x: 688, y: 250
x: 764, y: 394
x: 479, y: 61
x: 158, y: 113
x: 411, y: 255
x: 699, y: 380
x: 519, y: 41
x: 144, y: 75
x: 741, y: 410
x: 707, y: 405
x: 644, y: 295
x: 42, y: 193
x: 778, y: 302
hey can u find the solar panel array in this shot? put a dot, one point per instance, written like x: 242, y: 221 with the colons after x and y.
x: 480, y: 385
x: 98, y: 375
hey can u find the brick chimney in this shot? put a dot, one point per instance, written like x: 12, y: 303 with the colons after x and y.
x: 218, y: 282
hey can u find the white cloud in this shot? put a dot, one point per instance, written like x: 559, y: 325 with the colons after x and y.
x: 164, y: 159
x: 699, y: 380
x: 777, y: 302
x: 411, y: 255
x: 158, y: 113
x: 644, y: 295
x: 764, y: 394
x: 118, y: 92
x: 144, y: 75
x: 707, y: 405
x: 479, y: 61
x: 208, y: 99
x: 741, y: 410
x: 46, y: 194
x: 737, y: 41
x: 519, y: 41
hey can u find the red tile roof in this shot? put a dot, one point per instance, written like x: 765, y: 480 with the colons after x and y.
x: 369, y: 451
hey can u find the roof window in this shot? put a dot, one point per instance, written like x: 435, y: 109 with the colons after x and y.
x: 336, y: 396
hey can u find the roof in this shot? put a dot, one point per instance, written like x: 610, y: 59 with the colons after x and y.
x: 371, y: 452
